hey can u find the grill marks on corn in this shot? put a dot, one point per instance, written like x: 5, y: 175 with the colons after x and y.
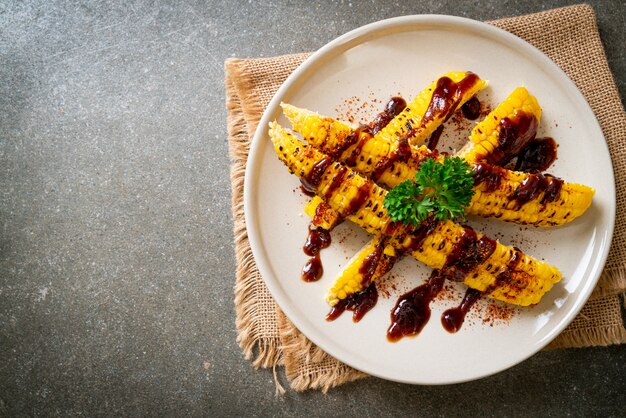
x: 359, y: 303
x: 445, y: 99
x: 515, y: 133
x: 535, y: 185
x: 538, y: 277
x: 543, y: 188
x: 494, y: 189
x: 468, y: 252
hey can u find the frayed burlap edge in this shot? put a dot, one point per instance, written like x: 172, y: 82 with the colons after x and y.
x: 241, y: 83
x: 247, y: 275
x: 303, y: 361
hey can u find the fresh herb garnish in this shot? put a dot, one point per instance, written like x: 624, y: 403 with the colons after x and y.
x: 443, y: 189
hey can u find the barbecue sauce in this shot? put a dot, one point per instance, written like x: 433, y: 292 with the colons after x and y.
x: 359, y: 303
x: 313, y: 269
x: 364, y: 133
x: 392, y: 109
x: 467, y: 253
x: 339, y: 177
x: 446, y: 96
x: 317, y: 239
x: 453, y: 318
x: 515, y: 134
x: 537, y: 156
x: 370, y: 264
x: 471, y: 109
x: 433, y: 140
x: 412, y: 311
x: 402, y: 153
x: 534, y: 185
x: 313, y: 177
x: 489, y: 175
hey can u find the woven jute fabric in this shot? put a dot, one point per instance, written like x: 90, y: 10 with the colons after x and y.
x: 569, y: 36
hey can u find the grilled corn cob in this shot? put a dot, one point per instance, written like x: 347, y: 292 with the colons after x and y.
x: 372, y: 262
x: 321, y: 213
x: 518, y: 115
x: 425, y: 113
x: 361, y: 201
x: 498, y: 202
x: 416, y: 122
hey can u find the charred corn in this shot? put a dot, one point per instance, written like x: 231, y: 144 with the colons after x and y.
x: 321, y: 213
x: 361, y: 201
x: 416, y: 122
x: 432, y: 107
x: 491, y: 199
x: 372, y: 262
x: 497, y: 195
x: 505, y: 131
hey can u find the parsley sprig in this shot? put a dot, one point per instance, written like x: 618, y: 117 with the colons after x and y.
x: 443, y: 189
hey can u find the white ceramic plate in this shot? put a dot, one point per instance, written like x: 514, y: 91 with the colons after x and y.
x: 403, y: 55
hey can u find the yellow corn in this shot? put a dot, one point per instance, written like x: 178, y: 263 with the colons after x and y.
x: 334, y: 137
x: 573, y: 201
x: 322, y: 214
x: 377, y: 255
x: 530, y: 279
x: 412, y: 115
x: 325, y: 133
x: 484, y: 139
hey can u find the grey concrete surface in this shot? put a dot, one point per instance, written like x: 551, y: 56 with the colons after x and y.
x: 116, y: 253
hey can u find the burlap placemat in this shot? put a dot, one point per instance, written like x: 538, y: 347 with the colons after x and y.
x: 569, y: 36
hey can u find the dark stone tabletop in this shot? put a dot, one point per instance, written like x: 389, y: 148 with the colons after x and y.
x: 116, y: 248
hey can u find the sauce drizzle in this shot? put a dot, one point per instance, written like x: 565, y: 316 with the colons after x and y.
x: 489, y: 175
x: 412, y: 311
x: 317, y: 239
x: 313, y: 177
x: 337, y: 180
x: 446, y: 96
x: 433, y: 140
x: 515, y: 133
x: 401, y: 153
x: 453, y: 318
x: 359, y: 303
x: 363, y: 192
x: 370, y: 264
x: 537, y: 156
x: 444, y: 100
x: 393, y: 108
x: 468, y: 252
x: 534, y: 185
x: 363, y: 133
x: 471, y: 109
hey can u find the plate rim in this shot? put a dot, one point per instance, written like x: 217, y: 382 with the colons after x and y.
x: 395, y: 25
